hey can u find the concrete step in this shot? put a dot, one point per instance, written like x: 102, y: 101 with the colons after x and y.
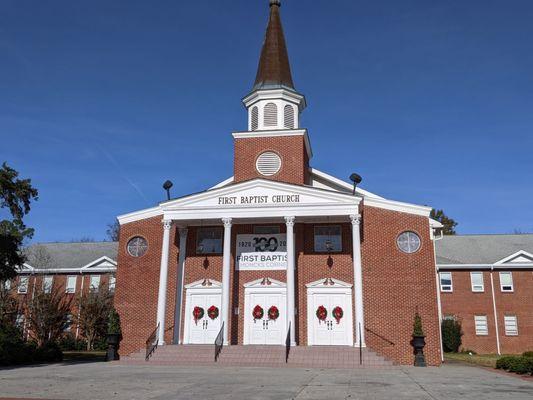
x: 262, y: 356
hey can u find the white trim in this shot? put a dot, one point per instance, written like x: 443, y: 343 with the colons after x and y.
x: 139, y: 215
x: 341, y: 183
x: 483, y: 332
x: 501, y: 284
x: 99, y: 261
x: 67, y: 271
x: 398, y: 206
x: 278, y: 93
x: 508, y: 332
x: 277, y: 133
x: 198, y: 285
x: 258, y: 283
x: 451, y: 282
x: 508, y: 260
x: 496, y: 329
x: 445, y: 267
x: 222, y: 184
x: 321, y: 284
x: 472, y: 286
x: 197, y: 288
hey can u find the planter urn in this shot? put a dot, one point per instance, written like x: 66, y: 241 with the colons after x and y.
x: 418, y: 343
x: 113, y: 340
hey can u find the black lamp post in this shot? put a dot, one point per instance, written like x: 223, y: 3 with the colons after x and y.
x: 356, y: 179
x: 167, y: 185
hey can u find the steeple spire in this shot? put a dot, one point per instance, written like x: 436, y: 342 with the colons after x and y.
x: 274, y: 70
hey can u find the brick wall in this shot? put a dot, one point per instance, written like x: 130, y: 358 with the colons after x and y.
x: 291, y: 149
x: 465, y: 304
x: 396, y: 285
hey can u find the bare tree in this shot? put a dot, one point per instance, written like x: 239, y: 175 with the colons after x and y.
x: 48, y: 315
x: 10, y: 307
x: 113, y: 231
x: 94, y: 307
x: 38, y: 256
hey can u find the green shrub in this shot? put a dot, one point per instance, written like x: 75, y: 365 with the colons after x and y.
x: 100, y: 344
x: 527, y: 353
x: 50, y: 352
x: 516, y: 364
x: 451, y: 335
x: 13, y: 349
x: 70, y: 343
x: 417, y: 325
x: 113, y: 324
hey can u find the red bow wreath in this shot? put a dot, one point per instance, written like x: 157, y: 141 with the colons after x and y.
x: 273, y: 313
x: 198, y: 314
x: 338, y: 313
x: 321, y: 313
x: 258, y: 312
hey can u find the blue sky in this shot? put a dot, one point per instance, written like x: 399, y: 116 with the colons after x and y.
x: 430, y: 101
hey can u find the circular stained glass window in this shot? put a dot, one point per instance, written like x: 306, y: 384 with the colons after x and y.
x: 137, y: 246
x: 409, y: 242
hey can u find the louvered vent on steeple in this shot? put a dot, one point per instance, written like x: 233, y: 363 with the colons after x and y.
x: 255, y: 118
x: 271, y: 115
x: 288, y: 117
x: 268, y: 163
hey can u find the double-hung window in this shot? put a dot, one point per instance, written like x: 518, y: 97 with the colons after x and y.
x: 94, y: 283
x: 48, y: 281
x: 506, y: 281
x: 112, y: 283
x: 481, y: 324
x: 511, y: 325
x: 328, y: 239
x: 71, y: 284
x: 23, y: 284
x: 446, y: 284
x: 476, y: 279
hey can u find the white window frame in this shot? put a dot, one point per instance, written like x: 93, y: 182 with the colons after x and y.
x: 477, y: 288
x: 446, y: 288
x: 481, y: 321
x: 47, y: 287
x: 506, y: 288
x: 69, y: 289
x: 92, y: 287
x: 112, y: 283
x: 511, y: 325
x: 26, y: 279
x: 217, y: 240
x: 323, y: 250
x: 7, y: 284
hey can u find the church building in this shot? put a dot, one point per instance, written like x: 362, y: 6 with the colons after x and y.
x: 279, y: 252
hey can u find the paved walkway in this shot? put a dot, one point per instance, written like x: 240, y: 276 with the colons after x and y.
x: 107, y: 381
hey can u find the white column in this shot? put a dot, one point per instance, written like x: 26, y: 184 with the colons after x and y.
x: 180, y: 281
x: 163, y: 276
x: 289, y: 221
x: 358, y: 284
x: 226, y: 269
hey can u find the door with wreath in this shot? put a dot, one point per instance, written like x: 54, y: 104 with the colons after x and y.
x: 265, y: 313
x: 329, y: 313
x: 202, y: 313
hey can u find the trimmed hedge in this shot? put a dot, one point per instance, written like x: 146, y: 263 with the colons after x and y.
x: 451, y: 335
x: 517, y: 364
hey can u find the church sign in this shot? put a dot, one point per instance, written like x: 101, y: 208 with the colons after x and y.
x: 261, y: 252
x: 255, y: 200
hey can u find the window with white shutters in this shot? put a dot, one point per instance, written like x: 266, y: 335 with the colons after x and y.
x: 289, y: 117
x: 511, y: 325
x: 482, y: 327
x: 271, y: 115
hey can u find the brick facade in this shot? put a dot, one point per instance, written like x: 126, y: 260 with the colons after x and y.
x: 464, y: 304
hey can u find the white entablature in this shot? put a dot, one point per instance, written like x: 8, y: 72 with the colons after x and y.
x: 261, y: 198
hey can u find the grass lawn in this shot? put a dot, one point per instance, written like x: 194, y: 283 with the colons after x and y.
x: 80, y: 356
x: 484, y: 360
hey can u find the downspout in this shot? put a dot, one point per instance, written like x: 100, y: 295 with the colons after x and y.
x: 439, y: 303
x: 495, y: 311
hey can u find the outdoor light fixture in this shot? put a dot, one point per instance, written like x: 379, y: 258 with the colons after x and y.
x: 167, y: 185
x: 356, y: 179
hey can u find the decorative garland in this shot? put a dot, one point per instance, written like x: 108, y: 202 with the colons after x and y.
x: 337, y: 313
x: 258, y: 312
x: 198, y: 314
x: 212, y: 312
x: 321, y: 313
x: 273, y: 313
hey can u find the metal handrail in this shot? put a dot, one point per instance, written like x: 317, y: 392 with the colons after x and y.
x: 288, y: 344
x: 152, y: 342
x: 379, y: 336
x: 219, y: 342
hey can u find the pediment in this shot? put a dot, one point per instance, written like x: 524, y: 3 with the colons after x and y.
x: 260, y: 193
x: 25, y: 268
x: 204, y: 284
x: 520, y: 257
x: 101, y: 263
x: 265, y: 283
x: 329, y: 283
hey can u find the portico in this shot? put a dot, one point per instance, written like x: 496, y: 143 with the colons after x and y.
x: 304, y: 206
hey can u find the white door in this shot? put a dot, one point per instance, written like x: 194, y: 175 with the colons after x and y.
x: 331, y: 332
x: 204, y: 330
x: 266, y: 330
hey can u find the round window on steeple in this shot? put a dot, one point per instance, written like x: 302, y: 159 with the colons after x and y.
x: 268, y: 163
